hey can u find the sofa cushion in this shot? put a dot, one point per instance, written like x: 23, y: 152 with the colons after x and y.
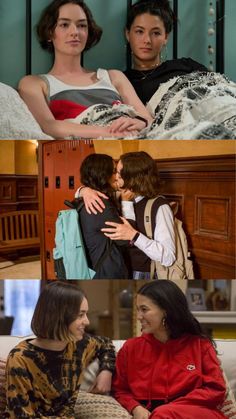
x: 229, y: 405
x: 226, y: 349
x: 97, y: 406
x: 2, y: 385
x: 89, y: 376
x: 91, y: 406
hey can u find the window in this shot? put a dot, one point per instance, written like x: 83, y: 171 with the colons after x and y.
x: 20, y: 297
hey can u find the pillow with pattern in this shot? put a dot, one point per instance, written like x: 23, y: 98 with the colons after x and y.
x: 91, y: 406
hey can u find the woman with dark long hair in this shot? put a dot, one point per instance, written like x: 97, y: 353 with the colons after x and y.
x: 149, y: 24
x: 137, y: 176
x: 138, y: 181
x: 44, y: 373
x: 98, y: 171
x: 171, y: 370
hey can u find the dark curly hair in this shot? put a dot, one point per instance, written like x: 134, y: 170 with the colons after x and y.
x: 160, y: 8
x: 48, y: 21
x: 169, y: 297
x: 96, y: 170
x: 140, y: 173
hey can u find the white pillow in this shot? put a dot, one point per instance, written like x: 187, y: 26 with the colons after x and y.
x: 16, y: 121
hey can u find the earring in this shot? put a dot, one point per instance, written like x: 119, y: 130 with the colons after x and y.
x: 163, y: 55
x: 164, y: 321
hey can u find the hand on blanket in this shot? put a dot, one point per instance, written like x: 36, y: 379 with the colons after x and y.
x: 92, y: 200
x: 103, y: 383
x: 117, y: 231
x: 125, y: 123
x: 139, y: 412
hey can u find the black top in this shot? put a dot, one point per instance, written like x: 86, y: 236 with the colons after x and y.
x: 97, y: 244
x: 147, y: 82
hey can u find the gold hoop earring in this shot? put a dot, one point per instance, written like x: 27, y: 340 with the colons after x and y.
x: 164, y: 321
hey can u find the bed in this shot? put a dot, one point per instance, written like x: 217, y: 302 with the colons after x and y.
x: 193, y: 106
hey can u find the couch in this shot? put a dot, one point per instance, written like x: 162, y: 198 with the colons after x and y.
x: 91, y: 406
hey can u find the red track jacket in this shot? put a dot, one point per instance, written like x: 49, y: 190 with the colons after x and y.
x: 182, y: 371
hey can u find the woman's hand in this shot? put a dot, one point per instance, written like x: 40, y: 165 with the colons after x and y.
x: 139, y: 412
x: 92, y: 200
x: 126, y: 124
x: 103, y: 383
x: 117, y: 231
x: 126, y: 195
x: 105, y: 132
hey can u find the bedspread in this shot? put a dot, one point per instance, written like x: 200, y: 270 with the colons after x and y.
x: 193, y: 106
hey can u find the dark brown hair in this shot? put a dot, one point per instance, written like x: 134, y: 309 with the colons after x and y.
x: 57, y: 307
x: 169, y: 297
x: 160, y: 8
x: 48, y: 21
x: 140, y: 174
x: 96, y: 171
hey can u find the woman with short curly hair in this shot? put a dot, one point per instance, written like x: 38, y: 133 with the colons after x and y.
x: 67, y: 29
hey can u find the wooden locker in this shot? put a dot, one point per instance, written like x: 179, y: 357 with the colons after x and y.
x: 59, y: 166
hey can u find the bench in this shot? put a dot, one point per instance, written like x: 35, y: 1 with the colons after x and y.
x: 18, y: 230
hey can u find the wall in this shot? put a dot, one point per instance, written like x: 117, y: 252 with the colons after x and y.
x: 7, y: 165
x: 166, y: 148
x: 97, y: 306
x: 21, y: 157
x: 193, y: 38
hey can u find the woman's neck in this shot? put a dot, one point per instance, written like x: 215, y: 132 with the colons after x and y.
x: 162, y: 336
x: 67, y: 65
x: 145, y: 65
x: 50, y: 344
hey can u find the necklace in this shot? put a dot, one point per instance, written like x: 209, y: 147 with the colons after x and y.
x: 147, y: 73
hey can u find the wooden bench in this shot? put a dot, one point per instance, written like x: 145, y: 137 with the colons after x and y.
x: 19, y: 230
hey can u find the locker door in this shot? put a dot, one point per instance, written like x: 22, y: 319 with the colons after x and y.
x: 62, y: 160
x: 77, y: 150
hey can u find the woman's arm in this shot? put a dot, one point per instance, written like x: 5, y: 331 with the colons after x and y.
x: 92, y: 199
x: 129, y: 97
x: 120, y: 386
x: 103, y: 349
x: 161, y: 248
x: 33, y: 90
x: 111, y: 213
x: 212, y: 391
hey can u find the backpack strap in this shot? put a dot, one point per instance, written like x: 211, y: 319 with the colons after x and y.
x: 155, y: 265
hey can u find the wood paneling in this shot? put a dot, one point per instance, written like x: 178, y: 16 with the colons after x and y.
x: 203, y: 186
x: 205, y: 190
x: 18, y: 192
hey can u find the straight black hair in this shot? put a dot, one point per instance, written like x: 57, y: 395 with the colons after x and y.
x: 160, y: 8
x: 169, y: 297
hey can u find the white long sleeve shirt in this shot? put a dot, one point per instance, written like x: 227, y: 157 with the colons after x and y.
x: 162, y: 246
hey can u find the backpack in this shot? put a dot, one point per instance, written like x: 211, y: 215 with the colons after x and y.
x: 182, y: 268
x: 70, y: 260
